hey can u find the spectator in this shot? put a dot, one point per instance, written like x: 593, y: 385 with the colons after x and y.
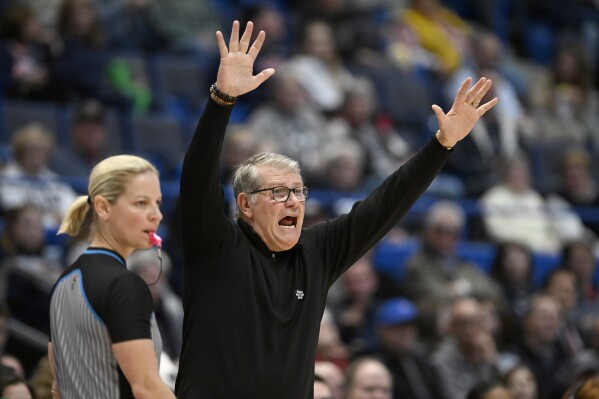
x: 27, y: 275
x: 333, y: 375
x: 319, y: 68
x: 384, y: 148
x: 540, y: 348
x: 513, y: 268
x: 89, y: 141
x: 565, y: 110
x: 521, y: 382
x: 436, y: 274
x: 190, y: 24
x: 468, y: 355
x: 513, y: 210
x: 291, y: 124
x: 14, y: 386
x: 25, y: 59
x: 413, y: 375
x: 561, y: 284
x: 578, y: 257
x: 367, y: 377
x: 577, y: 184
x: 429, y: 36
x: 322, y: 390
x: 82, y: 66
x: 27, y: 178
x: 130, y: 24
x: 503, y: 134
x: 356, y: 314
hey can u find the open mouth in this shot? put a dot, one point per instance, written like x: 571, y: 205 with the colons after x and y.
x: 288, y: 222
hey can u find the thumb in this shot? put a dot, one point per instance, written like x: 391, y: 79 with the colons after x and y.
x: 438, y: 111
x: 264, y: 75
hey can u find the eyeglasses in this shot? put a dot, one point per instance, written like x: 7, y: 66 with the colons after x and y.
x: 282, y: 193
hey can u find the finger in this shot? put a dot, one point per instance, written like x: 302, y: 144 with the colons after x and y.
x: 438, y: 112
x: 473, y: 93
x: 487, y: 106
x: 264, y: 75
x: 462, y: 91
x: 222, y: 47
x: 483, y: 90
x: 244, y: 43
x: 234, y: 39
x: 255, y: 49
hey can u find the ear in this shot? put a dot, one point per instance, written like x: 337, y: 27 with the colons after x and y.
x: 102, y: 207
x: 243, y: 203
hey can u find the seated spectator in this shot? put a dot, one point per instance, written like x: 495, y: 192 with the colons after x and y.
x: 333, y: 375
x: 577, y: 184
x: 368, y: 377
x: 540, y: 348
x: 27, y: 178
x: 355, y: 315
x: 190, y: 25
x: 513, y: 268
x: 89, y: 141
x: 322, y: 390
x: 82, y: 65
x: 319, y: 68
x: 428, y: 36
x: 436, y: 274
x: 27, y: 275
x: 512, y: 210
x: 384, y: 148
x: 561, y: 284
x: 130, y: 24
x: 292, y: 125
x: 521, y: 382
x: 504, y: 131
x: 578, y: 257
x: 25, y: 59
x: 413, y: 375
x: 14, y: 386
x: 467, y: 356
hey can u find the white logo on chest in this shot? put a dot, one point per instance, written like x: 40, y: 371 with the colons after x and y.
x: 299, y: 294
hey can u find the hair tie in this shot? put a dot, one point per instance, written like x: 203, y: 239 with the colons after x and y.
x: 89, y: 200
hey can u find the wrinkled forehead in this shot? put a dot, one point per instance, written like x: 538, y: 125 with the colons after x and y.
x: 273, y: 175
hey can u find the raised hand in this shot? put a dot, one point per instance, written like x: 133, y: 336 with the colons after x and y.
x: 235, y: 72
x: 464, y: 113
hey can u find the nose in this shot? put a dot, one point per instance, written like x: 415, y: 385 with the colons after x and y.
x: 156, y: 214
x: 292, y: 200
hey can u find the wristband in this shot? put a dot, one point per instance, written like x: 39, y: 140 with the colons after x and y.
x: 224, y: 97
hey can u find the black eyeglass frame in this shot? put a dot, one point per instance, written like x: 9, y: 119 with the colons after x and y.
x: 305, y: 192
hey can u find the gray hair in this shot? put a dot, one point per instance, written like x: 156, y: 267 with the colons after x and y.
x: 247, y: 178
x: 445, y: 209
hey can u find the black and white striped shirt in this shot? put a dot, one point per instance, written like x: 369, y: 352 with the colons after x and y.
x: 97, y: 302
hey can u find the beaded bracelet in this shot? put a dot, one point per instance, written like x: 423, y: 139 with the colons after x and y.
x: 224, y: 97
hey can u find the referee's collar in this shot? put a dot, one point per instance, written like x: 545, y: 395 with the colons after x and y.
x: 107, y: 252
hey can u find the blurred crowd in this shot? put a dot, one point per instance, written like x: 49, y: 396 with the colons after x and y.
x: 490, y: 282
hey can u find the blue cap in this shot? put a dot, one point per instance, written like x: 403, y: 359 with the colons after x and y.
x: 396, y: 311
